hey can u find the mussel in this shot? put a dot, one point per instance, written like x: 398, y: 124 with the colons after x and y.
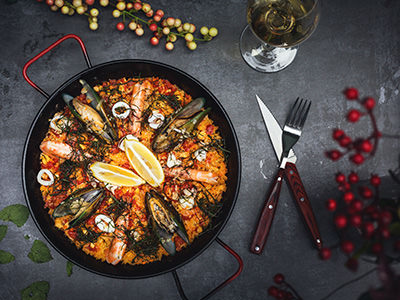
x: 173, y: 132
x: 81, y: 204
x: 165, y: 221
x: 100, y: 106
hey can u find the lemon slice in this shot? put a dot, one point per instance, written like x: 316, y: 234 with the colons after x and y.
x: 143, y: 161
x: 115, y: 175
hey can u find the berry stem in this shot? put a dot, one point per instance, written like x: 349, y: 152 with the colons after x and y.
x: 349, y: 282
x: 298, y: 297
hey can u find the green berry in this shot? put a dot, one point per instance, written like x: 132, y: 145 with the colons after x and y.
x: 189, y: 37
x: 213, y: 31
x: 192, y: 45
x: 204, y: 30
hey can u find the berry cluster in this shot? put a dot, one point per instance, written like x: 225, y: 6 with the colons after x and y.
x: 361, y: 209
x: 360, y: 148
x: 284, y: 291
x: 155, y: 20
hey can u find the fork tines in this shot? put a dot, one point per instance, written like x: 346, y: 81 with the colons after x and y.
x: 298, y: 113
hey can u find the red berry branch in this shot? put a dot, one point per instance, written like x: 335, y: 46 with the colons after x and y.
x: 360, y: 148
x: 138, y: 15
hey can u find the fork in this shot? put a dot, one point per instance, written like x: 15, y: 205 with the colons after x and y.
x: 293, y: 127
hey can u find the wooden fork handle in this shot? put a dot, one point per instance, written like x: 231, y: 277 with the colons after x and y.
x: 299, y: 193
x: 267, y: 215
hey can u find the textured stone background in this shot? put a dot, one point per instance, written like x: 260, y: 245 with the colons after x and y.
x: 356, y: 44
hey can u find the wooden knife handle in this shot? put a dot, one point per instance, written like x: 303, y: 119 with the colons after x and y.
x: 299, y: 193
x: 267, y: 215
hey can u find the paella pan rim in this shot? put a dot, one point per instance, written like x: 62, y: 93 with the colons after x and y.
x: 56, y: 237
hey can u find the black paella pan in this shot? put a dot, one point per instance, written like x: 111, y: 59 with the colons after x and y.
x: 94, y: 75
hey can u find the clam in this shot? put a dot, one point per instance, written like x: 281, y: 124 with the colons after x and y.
x: 81, y: 204
x: 165, y: 221
x: 173, y: 132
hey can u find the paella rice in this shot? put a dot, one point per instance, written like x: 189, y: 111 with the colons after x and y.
x: 133, y: 223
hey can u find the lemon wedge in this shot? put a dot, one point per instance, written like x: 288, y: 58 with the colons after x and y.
x: 115, y: 175
x: 143, y: 161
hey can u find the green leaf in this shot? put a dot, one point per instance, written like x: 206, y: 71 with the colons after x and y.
x: 69, y: 268
x: 27, y: 237
x: 16, y: 213
x: 3, y: 231
x: 40, y: 253
x: 36, y: 291
x: 6, y: 257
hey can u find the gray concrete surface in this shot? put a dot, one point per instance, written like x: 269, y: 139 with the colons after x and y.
x: 357, y: 43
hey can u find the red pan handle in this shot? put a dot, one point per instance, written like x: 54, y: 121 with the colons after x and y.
x: 68, y: 36
x: 223, y: 284
x: 300, y: 195
x: 267, y: 215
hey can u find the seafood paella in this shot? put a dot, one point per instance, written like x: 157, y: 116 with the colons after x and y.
x: 132, y: 169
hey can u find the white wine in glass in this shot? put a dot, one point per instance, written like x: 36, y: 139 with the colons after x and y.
x: 276, y: 27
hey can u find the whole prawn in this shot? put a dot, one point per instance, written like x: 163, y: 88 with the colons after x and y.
x: 141, y: 90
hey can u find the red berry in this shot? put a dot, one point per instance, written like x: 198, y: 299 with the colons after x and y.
x: 347, y: 246
x: 356, y: 205
x: 385, y: 217
x: 377, y: 248
x: 348, y: 197
x: 279, y: 278
x: 384, y: 232
x: 366, y: 192
x: 120, y: 26
x: 357, y: 158
x: 137, y: 6
x: 325, y: 253
x: 89, y: 2
x: 333, y: 154
x: 345, y: 141
x: 340, y: 178
x: 50, y: 2
x: 366, y: 146
x: 352, y: 264
x: 157, y: 18
x: 355, y: 220
x: 154, y: 41
x: 353, y: 115
x: 353, y: 177
x: 369, y: 103
x: 160, y: 13
x: 153, y: 27
x: 281, y: 295
x: 368, y: 229
x: 340, y: 221
x: 337, y: 134
x: 273, y: 291
x: 331, y: 204
x: 351, y: 93
x: 375, y: 180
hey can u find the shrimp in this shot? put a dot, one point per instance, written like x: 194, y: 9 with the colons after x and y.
x: 57, y: 149
x: 141, y: 91
x: 61, y: 150
x: 118, y: 244
x: 191, y: 174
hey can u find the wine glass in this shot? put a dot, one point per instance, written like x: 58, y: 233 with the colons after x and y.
x: 269, y: 42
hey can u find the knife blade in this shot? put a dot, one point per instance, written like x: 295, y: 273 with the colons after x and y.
x: 295, y: 184
x: 274, y: 131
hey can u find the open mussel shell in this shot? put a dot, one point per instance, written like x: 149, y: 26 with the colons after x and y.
x: 169, y: 135
x: 101, y: 107
x: 88, y: 116
x: 81, y: 204
x: 165, y: 221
